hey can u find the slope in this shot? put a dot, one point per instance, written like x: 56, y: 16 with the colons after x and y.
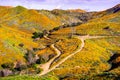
x: 29, y: 20
x: 106, y: 25
x: 10, y: 40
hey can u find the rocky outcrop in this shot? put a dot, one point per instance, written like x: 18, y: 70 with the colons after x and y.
x: 114, y: 61
x: 5, y: 72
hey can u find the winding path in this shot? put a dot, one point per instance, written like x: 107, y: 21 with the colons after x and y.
x: 46, y: 67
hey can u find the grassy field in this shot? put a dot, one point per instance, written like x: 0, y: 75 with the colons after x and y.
x: 31, y: 77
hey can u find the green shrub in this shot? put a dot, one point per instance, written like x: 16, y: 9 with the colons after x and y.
x: 37, y: 35
x: 7, y: 65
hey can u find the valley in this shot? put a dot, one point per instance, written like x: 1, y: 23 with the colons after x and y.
x: 59, y: 44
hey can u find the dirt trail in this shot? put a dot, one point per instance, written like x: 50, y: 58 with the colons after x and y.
x: 46, y: 67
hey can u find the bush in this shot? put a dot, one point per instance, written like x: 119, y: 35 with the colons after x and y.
x: 20, y: 66
x: 106, y: 28
x: 7, y: 65
x: 21, y: 44
x: 56, y: 28
x: 30, y: 57
x: 37, y: 35
x: 42, y: 59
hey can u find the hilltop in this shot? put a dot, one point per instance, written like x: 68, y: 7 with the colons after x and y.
x: 76, y: 10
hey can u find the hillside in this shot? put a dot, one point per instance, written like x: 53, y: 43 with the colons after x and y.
x: 60, y: 16
x: 59, y: 44
x: 108, y: 11
x: 106, y: 25
x: 30, y: 19
x: 76, y: 10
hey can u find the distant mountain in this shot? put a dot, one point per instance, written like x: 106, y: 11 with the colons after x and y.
x: 114, y: 9
x: 107, y: 12
x: 76, y: 10
x: 6, y: 7
x: 61, y: 16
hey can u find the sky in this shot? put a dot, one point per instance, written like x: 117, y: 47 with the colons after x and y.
x: 88, y: 5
